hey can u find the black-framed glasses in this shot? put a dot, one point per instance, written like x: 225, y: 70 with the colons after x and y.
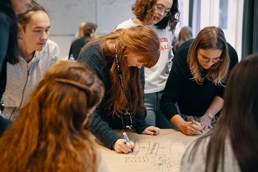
x: 161, y: 9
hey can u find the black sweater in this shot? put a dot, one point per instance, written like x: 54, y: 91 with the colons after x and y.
x: 192, y: 98
x: 77, y: 45
x: 103, y: 123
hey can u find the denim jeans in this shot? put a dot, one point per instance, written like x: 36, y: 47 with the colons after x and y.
x: 154, y: 116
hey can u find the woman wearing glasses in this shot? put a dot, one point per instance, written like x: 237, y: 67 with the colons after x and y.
x: 196, y: 82
x: 157, y: 14
x: 230, y: 146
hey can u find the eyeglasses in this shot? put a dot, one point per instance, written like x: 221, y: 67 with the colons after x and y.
x: 160, y: 8
x: 207, y: 60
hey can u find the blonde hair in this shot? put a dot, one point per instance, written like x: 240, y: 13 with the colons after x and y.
x: 209, y: 38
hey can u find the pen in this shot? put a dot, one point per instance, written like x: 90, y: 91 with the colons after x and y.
x: 127, y: 140
x: 126, y: 137
x: 194, y: 122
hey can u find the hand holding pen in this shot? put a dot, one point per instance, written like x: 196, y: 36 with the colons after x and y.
x: 128, y: 142
x: 197, y: 125
x: 123, y: 145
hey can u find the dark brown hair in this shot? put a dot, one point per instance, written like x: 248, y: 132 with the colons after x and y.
x: 144, y: 10
x: 24, y: 18
x: 88, y: 28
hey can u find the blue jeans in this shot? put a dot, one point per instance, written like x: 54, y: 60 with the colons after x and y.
x: 154, y: 115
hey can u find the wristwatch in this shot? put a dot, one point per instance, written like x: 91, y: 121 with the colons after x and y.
x: 210, y: 115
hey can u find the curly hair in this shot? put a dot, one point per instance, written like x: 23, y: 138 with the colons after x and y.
x: 144, y: 9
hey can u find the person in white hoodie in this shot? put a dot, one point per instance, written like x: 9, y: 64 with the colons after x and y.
x: 36, y: 54
x: 157, y: 14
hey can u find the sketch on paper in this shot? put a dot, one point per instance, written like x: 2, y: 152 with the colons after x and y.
x: 164, y: 155
x: 161, y: 153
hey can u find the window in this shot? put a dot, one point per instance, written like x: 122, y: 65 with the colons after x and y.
x: 227, y: 14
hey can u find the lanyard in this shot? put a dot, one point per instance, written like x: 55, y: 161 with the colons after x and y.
x: 126, y: 117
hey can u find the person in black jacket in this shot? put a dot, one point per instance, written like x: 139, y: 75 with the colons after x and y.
x: 8, y: 44
x: 118, y: 58
x: 196, y: 82
x: 89, y: 32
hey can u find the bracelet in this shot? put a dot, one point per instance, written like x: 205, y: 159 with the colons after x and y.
x: 210, y: 115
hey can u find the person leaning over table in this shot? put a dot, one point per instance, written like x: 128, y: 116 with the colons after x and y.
x: 232, y: 145
x: 117, y: 59
x: 196, y: 82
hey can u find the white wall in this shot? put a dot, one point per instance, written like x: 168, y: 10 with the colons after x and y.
x: 66, y: 15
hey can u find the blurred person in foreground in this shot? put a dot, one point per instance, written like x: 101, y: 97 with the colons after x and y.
x: 50, y: 133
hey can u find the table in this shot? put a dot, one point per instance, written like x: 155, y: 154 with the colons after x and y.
x: 161, y: 153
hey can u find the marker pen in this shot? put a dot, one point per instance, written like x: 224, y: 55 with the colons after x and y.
x: 126, y: 137
x: 127, y: 140
x: 194, y: 122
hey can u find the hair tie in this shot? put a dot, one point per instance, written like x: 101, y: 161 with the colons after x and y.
x: 74, y: 84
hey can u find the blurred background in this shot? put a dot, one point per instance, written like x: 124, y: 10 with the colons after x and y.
x: 66, y: 16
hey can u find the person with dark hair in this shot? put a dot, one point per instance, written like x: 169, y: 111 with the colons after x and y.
x: 8, y: 45
x: 196, y: 82
x: 159, y: 15
x: 89, y: 32
x: 36, y: 54
x: 117, y: 59
x: 232, y: 144
x: 50, y: 133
